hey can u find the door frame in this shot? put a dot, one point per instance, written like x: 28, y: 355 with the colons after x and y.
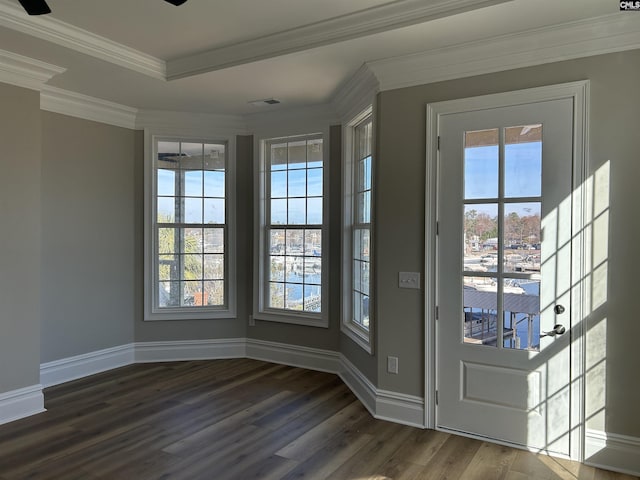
x: 579, y: 93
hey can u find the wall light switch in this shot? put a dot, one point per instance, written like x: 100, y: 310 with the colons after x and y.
x: 409, y: 280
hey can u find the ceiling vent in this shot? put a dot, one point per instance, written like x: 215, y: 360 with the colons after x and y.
x: 264, y: 102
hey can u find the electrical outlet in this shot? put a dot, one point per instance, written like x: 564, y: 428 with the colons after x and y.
x: 392, y: 364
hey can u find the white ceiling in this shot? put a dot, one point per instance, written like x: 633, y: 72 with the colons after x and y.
x: 215, y: 57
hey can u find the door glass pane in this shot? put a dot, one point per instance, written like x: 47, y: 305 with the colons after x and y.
x: 522, y: 237
x: 480, y: 302
x: 502, y: 237
x: 523, y: 161
x: 521, y: 305
x: 480, y: 237
x: 481, y: 153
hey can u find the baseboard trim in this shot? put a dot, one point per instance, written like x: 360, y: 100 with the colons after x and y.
x: 400, y: 408
x: 294, y: 355
x: 611, y: 451
x: 79, y: 366
x: 182, y: 350
x: 383, y: 404
x: 359, y: 385
x: 21, y: 403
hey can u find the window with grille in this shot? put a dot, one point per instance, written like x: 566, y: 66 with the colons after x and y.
x: 189, y: 234
x: 357, y: 240
x: 293, y: 237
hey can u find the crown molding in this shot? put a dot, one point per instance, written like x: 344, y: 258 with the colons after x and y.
x: 605, y: 34
x: 163, y: 122
x: 83, y: 41
x: 356, y: 94
x: 381, y: 18
x: 56, y: 100
x: 26, y: 72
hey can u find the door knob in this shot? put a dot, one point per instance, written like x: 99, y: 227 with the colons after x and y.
x: 557, y: 330
x: 558, y: 309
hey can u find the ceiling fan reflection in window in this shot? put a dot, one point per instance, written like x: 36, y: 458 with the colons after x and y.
x: 40, y: 7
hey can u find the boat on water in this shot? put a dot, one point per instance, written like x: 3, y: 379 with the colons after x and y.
x: 483, y: 284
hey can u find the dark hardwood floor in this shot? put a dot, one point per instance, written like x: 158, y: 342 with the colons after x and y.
x: 242, y: 419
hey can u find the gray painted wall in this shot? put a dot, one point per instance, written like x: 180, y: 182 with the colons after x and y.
x: 20, y: 242
x: 87, y: 235
x: 613, y: 355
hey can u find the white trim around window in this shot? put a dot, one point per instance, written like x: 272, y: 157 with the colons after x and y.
x: 357, y: 238
x: 292, y: 251
x: 195, y: 278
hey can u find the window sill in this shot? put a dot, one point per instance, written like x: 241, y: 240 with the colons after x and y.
x: 361, y: 337
x: 293, y: 318
x: 181, y: 314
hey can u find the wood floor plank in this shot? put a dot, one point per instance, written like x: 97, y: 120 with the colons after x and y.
x: 452, y: 458
x: 238, y: 419
x: 314, y: 439
x: 272, y: 467
x: 490, y: 461
x: 422, y: 446
x: 368, y: 459
x: 227, y: 425
x: 322, y: 463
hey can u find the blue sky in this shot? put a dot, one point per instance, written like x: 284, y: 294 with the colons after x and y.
x: 523, y: 173
x: 296, y: 183
x: 197, y: 183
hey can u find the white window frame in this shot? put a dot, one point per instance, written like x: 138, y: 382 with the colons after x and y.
x: 261, y: 262
x: 152, y: 311
x: 354, y: 330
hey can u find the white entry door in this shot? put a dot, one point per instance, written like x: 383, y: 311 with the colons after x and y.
x: 504, y: 273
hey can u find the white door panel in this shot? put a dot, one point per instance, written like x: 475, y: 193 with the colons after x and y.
x: 504, y: 273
